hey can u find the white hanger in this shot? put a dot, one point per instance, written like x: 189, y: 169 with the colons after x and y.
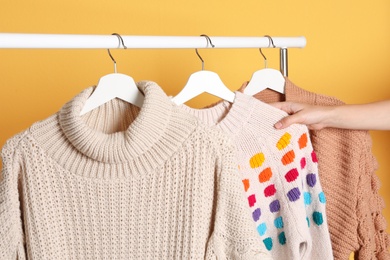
x: 265, y: 78
x: 204, y: 81
x: 114, y: 85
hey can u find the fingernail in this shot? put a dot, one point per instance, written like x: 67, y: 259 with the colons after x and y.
x: 278, y: 125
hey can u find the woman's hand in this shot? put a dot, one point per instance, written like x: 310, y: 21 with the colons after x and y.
x: 315, y: 117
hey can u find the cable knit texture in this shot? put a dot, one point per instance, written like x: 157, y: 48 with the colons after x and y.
x: 123, y: 183
x: 279, y: 174
x: 347, y: 170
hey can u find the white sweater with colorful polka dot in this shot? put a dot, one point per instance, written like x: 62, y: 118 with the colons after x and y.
x: 279, y: 173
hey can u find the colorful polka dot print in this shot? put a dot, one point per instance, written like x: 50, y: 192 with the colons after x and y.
x: 256, y: 160
x: 284, y: 141
x: 265, y: 175
x: 285, y: 177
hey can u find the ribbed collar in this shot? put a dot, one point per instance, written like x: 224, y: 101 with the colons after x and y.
x: 156, y: 133
x: 229, y: 117
x: 292, y: 93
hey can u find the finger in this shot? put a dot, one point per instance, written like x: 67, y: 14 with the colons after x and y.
x: 277, y: 104
x: 287, y: 121
x: 285, y: 106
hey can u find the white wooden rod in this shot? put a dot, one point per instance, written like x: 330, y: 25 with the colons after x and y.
x: 79, y: 41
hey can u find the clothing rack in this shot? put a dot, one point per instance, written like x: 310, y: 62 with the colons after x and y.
x: 79, y: 41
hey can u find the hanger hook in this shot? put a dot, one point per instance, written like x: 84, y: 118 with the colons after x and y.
x: 124, y: 46
x: 208, y: 41
x: 269, y: 45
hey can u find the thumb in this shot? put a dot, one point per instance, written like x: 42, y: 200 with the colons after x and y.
x: 287, y: 121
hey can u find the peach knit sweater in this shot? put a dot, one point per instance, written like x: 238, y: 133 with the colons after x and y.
x: 104, y: 186
x: 347, y: 171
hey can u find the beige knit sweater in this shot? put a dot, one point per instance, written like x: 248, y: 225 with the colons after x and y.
x: 347, y: 171
x: 105, y: 186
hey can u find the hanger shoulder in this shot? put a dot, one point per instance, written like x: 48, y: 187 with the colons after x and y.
x: 203, y: 81
x: 124, y: 87
x: 194, y: 87
x: 265, y: 78
x: 217, y: 88
x: 114, y: 85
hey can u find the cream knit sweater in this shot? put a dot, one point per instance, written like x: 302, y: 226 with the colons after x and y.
x: 280, y: 176
x: 102, y: 186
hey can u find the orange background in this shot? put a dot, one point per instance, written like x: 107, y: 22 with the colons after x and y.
x: 347, y: 53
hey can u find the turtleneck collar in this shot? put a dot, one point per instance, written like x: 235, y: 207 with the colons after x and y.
x: 139, y: 137
x: 155, y: 134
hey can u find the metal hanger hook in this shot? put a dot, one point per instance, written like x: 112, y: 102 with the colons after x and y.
x: 269, y: 45
x: 120, y: 42
x: 208, y: 41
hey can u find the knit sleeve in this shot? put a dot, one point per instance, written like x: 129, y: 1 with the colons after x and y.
x: 234, y: 235
x: 373, y: 238
x: 11, y: 234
